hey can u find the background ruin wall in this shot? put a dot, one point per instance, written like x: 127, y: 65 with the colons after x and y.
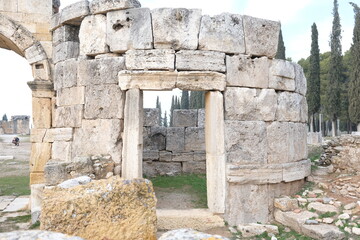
x: 17, y: 125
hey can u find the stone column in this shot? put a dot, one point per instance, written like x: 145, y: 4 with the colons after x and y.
x: 215, y: 151
x: 133, y: 138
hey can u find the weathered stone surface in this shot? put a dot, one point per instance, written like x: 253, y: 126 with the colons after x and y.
x: 70, y: 96
x: 278, y: 145
x: 322, y: 208
x: 185, y: 117
x: 194, y: 167
x: 294, y: 220
x: 132, y: 136
x: 298, y: 146
x: 255, y: 174
x: 286, y: 203
x: 246, y: 142
x: 57, y: 134
x: 100, y: 71
x: 291, y: 107
x: 151, y: 155
x: 261, y: 36
x: 68, y: 116
x: 194, y: 139
x: 40, y: 155
x: 66, y: 50
x: 37, y: 234
x: 74, y: 13
x: 282, y: 75
x: 189, y: 234
x: 246, y: 204
x: 66, y: 74
x: 200, y: 61
x: 93, y: 35
x: 152, y: 169
x: 176, y: 28
x: 102, y: 136
x: 201, y: 81
x: 36, y: 53
x: 300, y: 80
x: 61, y: 151
x: 223, y: 33
x: 151, y: 117
x: 75, y: 182
x: 296, y: 170
x: 154, y: 138
x: 247, y: 72
x: 41, y: 71
x: 175, y: 140
x: 165, y: 156
x: 103, y: 6
x: 35, y: 201
x: 254, y: 229
x: 156, y: 59
x: 129, y: 29
x: 41, y: 112
x: 201, y: 118
x: 182, y: 157
x: 250, y: 104
x: 66, y: 33
x: 104, y: 102
x: 323, y: 231
x: 92, y: 211
x: 154, y: 80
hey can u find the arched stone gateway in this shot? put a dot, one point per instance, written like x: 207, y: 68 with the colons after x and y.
x: 107, y: 52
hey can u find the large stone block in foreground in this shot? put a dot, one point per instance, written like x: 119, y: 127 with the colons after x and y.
x: 114, y: 208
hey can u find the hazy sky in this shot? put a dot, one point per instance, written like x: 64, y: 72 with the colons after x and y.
x: 296, y: 17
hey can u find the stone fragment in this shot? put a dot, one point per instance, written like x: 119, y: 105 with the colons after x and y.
x: 291, y: 107
x: 104, y: 102
x: 246, y: 142
x: 36, y: 53
x: 282, y: 75
x: 300, y: 80
x: 223, y: 33
x: 286, y: 203
x: 74, y: 13
x: 254, y: 229
x: 70, y: 96
x: 40, y: 155
x: 190, y: 60
x: 356, y: 231
x: 92, y: 211
x: 41, y: 112
x: 156, y: 59
x: 243, y: 71
x: 175, y: 140
x: 261, y: 36
x: 96, y: 137
x: 152, y: 80
x: 184, y: 117
x: 151, y: 117
x: 66, y: 33
x: 93, y: 35
x: 129, y: 29
x: 194, y: 139
x: 100, y: 71
x: 66, y: 74
x: 65, y: 51
x: 350, y: 206
x: 176, y: 28
x: 103, y: 6
x: 68, y: 116
x: 293, y: 220
x: 344, y: 216
x: 322, y: 208
x: 37, y: 234
x: 189, y: 234
x: 75, y: 182
x: 61, y: 151
x: 323, y: 231
x: 249, y: 104
x: 201, y: 81
x: 328, y: 220
x: 152, y: 169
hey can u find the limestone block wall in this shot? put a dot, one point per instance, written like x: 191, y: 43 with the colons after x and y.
x: 107, y: 52
x: 17, y: 125
x: 174, y: 150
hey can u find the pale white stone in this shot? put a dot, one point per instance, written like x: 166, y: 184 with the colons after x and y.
x: 103, y: 6
x: 66, y: 74
x: 261, y: 36
x: 176, y: 28
x: 93, y: 35
x: 282, y: 75
x: 223, y: 33
x: 293, y: 220
x: 297, y: 142
x: 242, y: 71
x: 201, y: 81
x: 296, y: 170
x: 74, y: 13
x: 291, y: 107
x: 250, y: 104
x: 300, y: 80
x: 70, y: 96
x: 58, y: 134
x: 322, y: 208
x: 36, y: 200
x: 65, y: 51
x: 254, y: 229
x: 200, y: 60
x: 129, y: 29
x: 154, y: 80
x: 156, y: 59
x: 61, y: 151
x: 286, y: 203
x: 255, y: 174
x: 68, y: 116
x: 133, y: 139
x: 278, y: 134
x: 75, y: 182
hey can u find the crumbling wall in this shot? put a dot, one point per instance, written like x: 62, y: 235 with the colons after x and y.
x: 177, y: 149
x: 17, y: 125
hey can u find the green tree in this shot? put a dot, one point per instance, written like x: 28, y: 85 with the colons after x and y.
x: 313, y: 94
x: 280, y: 54
x: 354, y: 89
x: 172, y: 107
x: 5, y: 118
x: 165, y: 120
x: 158, y: 106
x: 197, y: 99
x: 184, y: 100
x: 333, y: 104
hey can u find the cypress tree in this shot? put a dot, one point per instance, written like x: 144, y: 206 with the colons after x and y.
x: 280, y: 54
x: 165, y: 120
x: 313, y: 95
x: 185, y: 99
x: 5, y: 118
x: 172, y: 110
x: 158, y: 106
x: 354, y: 89
x: 333, y: 105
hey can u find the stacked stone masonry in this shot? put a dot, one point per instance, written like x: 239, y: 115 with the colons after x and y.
x: 105, y: 53
x: 17, y: 125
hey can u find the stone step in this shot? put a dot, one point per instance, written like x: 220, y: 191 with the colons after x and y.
x: 3, y: 158
x: 18, y: 204
x: 197, y: 219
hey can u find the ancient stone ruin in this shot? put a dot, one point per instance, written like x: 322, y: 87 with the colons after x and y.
x: 89, y: 78
x: 18, y: 124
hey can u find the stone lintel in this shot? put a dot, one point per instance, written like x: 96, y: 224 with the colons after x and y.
x: 38, y: 85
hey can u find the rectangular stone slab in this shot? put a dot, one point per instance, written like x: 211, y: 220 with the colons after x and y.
x: 200, y: 61
x: 157, y: 59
